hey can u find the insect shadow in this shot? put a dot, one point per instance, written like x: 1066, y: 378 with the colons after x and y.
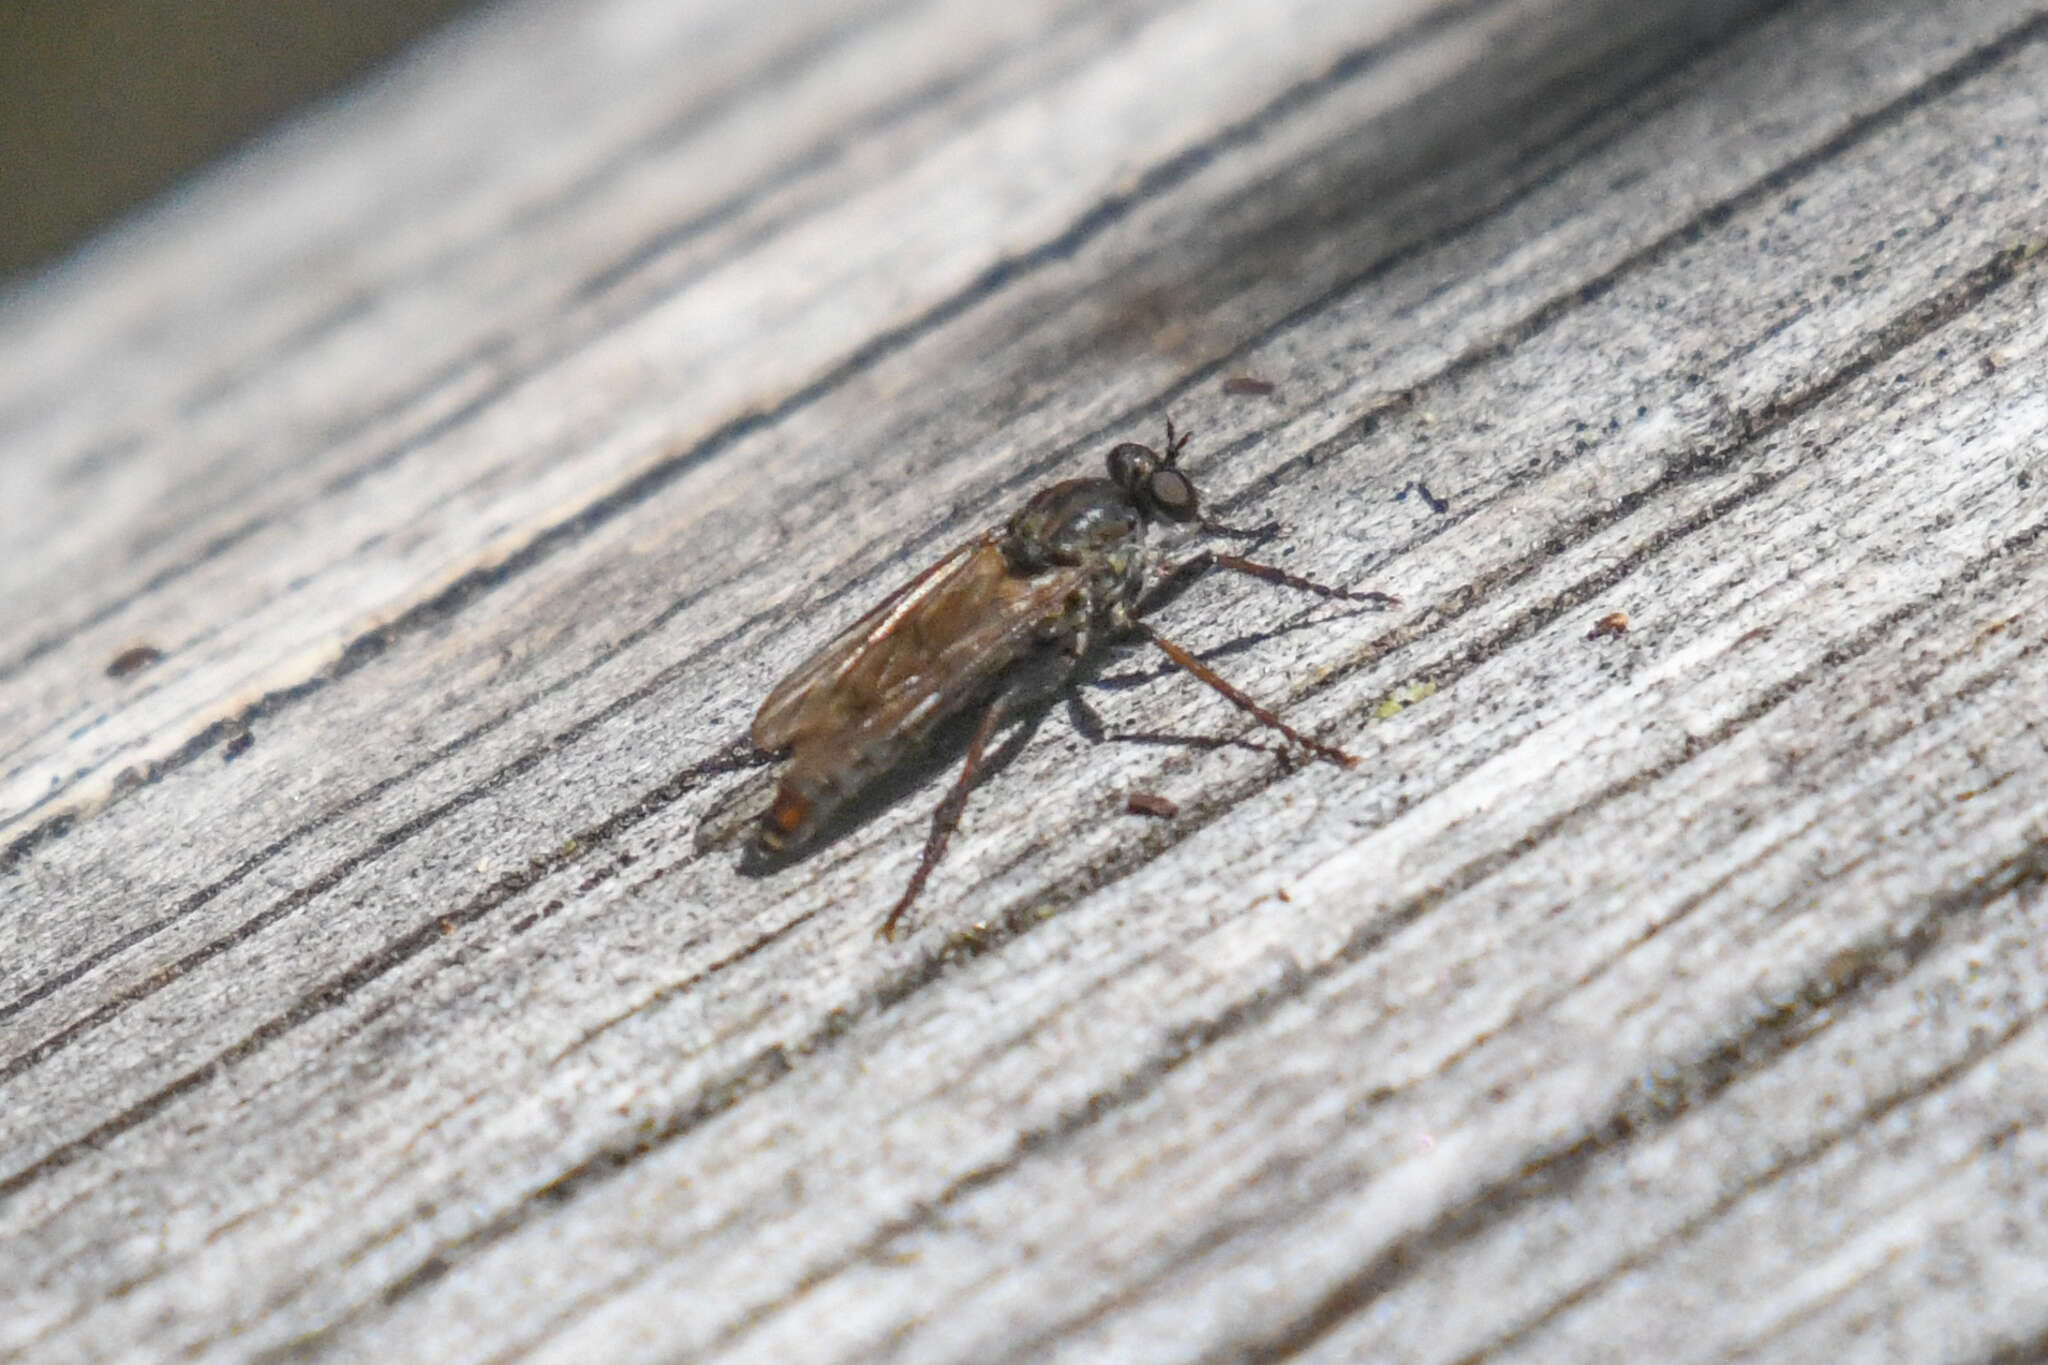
x: 988, y: 638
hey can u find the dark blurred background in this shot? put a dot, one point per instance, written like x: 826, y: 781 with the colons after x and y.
x: 105, y: 102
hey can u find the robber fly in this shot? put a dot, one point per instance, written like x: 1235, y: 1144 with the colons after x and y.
x: 1003, y: 621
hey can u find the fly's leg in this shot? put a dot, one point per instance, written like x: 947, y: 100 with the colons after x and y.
x: 1089, y: 725
x: 1182, y: 656
x: 1263, y: 532
x: 1037, y: 680
x: 1176, y: 442
x: 1272, y: 573
x: 1269, y: 573
x: 947, y: 817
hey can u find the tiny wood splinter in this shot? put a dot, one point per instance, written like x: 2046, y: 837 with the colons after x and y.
x: 1003, y: 621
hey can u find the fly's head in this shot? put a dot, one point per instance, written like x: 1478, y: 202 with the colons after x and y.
x: 1154, y: 482
x: 1101, y: 522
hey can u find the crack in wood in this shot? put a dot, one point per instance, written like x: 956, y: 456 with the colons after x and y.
x: 1893, y: 678
x: 1881, y: 960
x: 337, y: 990
x: 1980, y: 59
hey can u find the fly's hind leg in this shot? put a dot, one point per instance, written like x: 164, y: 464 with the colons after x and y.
x: 946, y: 818
x: 1031, y: 685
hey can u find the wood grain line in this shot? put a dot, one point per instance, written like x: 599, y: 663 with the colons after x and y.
x: 1980, y: 1051
x: 1680, y: 987
x: 459, y: 595
x: 1884, y: 959
x: 338, y: 989
x: 2020, y: 1351
x: 462, y: 593
x: 685, y: 123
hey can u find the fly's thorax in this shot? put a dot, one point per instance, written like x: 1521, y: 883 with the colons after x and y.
x: 1073, y: 523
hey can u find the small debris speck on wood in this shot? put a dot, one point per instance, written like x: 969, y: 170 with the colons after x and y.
x: 1613, y: 625
x: 133, y: 660
x: 1152, y: 804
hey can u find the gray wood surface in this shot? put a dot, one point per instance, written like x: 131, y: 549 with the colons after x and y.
x: 483, y: 445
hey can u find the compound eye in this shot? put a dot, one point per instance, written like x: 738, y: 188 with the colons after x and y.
x: 1129, y: 463
x: 1172, y: 493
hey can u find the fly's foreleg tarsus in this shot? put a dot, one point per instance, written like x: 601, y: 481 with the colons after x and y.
x: 946, y: 818
x: 1209, y: 676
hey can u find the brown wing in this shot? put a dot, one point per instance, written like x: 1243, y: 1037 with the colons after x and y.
x: 918, y: 656
x: 777, y: 722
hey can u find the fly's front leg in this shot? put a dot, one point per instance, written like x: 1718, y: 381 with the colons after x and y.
x: 1263, y: 532
x: 1271, y: 573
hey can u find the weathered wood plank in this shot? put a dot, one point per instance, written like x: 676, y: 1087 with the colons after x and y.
x: 1676, y: 990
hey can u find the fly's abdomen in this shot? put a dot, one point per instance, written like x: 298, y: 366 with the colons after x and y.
x: 788, y: 823
x: 825, y: 771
